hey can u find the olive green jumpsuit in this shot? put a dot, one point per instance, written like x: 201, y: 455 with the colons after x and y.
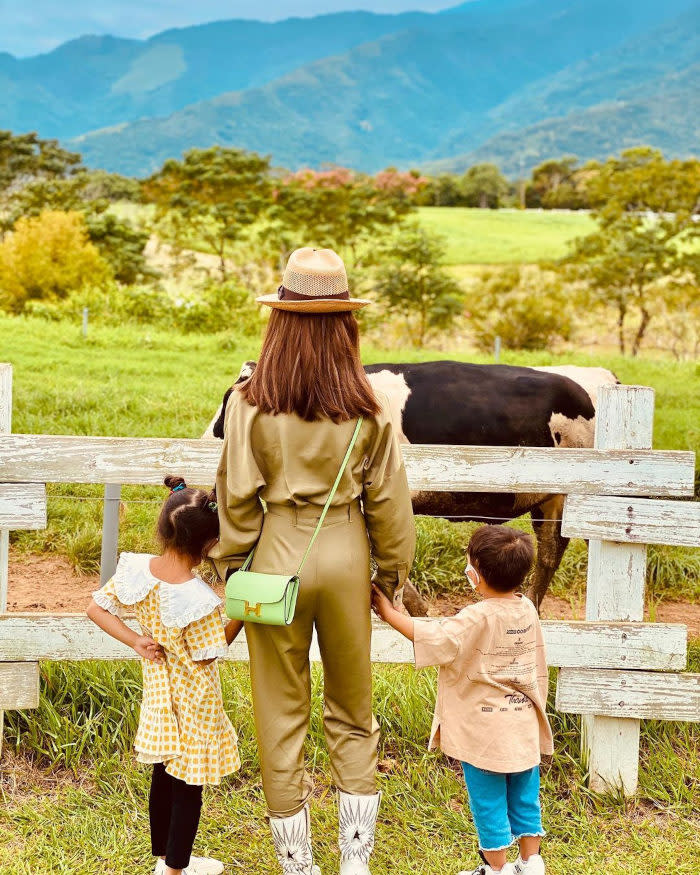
x: 291, y: 464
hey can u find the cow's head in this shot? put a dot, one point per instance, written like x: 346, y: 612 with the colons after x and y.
x: 246, y: 372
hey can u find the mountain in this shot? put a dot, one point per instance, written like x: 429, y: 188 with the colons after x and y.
x: 506, y: 80
x: 94, y: 81
x: 595, y: 107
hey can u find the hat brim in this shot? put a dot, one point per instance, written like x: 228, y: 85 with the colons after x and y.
x: 319, y: 305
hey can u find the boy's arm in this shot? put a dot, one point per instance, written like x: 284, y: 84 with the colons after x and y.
x: 145, y: 646
x: 384, y: 609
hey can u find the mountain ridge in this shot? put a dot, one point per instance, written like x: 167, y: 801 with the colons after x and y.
x: 363, y: 89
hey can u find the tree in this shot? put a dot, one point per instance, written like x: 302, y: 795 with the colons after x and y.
x: 646, y: 209
x: 213, y: 194
x: 526, y: 307
x: 122, y: 246
x: 47, y: 257
x: 559, y: 184
x: 337, y: 208
x: 25, y: 158
x: 412, y: 284
x: 633, y: 265
x: 483, y: 186
x: 642, y: 181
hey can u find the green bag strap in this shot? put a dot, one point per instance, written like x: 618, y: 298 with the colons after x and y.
x: 248, y: 561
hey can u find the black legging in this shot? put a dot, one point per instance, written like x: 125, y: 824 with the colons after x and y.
x: 174, y: 808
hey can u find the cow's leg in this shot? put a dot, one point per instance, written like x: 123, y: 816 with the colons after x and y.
x: 413, y: 601
x: 546, y: 521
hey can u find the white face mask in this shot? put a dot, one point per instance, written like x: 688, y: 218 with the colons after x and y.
x: 472, y: 576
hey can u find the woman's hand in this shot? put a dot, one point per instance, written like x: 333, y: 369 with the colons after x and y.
x: 149, y: 649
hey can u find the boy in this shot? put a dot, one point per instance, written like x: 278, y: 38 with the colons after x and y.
x: 492, y: 691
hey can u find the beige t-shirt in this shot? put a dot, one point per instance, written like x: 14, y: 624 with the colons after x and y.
x: 492, y: 688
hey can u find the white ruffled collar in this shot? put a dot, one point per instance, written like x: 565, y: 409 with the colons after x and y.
x: 180, y: 603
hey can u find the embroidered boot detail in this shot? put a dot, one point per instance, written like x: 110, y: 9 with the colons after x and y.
x: 357, y: 817
x: 292, y: 840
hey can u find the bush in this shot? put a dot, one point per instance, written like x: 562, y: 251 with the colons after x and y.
x: 219, y: 307
x: 48, y: 257
x: 526, y: 307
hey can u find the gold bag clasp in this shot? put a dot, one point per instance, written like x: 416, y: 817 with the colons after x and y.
x: 248, y: 609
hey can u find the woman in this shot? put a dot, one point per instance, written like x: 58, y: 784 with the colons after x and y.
x: 286, y: 433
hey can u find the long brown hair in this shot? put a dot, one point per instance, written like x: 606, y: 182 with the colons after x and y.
x: 310, y: 365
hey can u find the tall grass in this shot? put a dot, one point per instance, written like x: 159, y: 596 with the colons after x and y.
x: 97, y: 821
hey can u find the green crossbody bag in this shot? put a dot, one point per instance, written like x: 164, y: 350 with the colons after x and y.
x: 272, y: 598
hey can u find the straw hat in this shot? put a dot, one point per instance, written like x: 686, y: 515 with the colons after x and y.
x: 314, y: 282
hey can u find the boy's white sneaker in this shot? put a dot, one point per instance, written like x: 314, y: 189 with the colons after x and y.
x: 485, y: 869
x: 534, y: 865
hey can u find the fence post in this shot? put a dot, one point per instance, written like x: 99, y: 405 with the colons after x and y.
x: 5, y: 428
x: 110, y: 531
x: 615, y: 589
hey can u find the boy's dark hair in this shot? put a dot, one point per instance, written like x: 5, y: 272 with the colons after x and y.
x: 503, y: 556
x: 189, y: 519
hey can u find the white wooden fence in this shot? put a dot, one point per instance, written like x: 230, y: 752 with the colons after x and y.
x: 613, y: 668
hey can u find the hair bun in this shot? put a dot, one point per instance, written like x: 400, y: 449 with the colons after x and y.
x: 174, y: 483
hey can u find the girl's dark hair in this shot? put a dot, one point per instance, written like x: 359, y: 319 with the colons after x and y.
x: 502, y: 556
x: 188, y: 520
x: 310, y: 365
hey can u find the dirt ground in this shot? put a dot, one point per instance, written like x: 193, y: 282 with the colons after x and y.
x: 49, y: 583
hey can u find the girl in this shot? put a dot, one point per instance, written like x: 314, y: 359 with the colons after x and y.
x: 183, y: 730
x: 492, y: 692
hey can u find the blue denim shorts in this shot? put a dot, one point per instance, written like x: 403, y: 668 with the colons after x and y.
x: 504, y: 806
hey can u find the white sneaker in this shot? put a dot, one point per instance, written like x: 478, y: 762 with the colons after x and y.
x: 534, y: 865
x: 485, y: 869
x: 205, y: 866
x: 160, y: 868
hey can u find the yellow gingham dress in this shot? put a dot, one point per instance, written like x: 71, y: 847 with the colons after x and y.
x: 182, y: 721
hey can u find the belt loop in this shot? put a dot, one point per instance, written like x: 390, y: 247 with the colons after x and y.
x: 295, y: 516
x: 350, y: 511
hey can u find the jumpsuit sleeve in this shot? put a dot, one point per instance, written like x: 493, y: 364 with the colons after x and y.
x: 205, y: 638
x: 387, y: 507
x: 238, y: 484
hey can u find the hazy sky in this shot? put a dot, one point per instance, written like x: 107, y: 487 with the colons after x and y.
x: 28, y: 27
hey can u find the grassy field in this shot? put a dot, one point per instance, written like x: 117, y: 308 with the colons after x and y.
x: 504, y: 236
x: 473, y: 236
x: 74, y: 802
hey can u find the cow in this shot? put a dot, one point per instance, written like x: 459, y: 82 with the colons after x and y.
x: 448, y: 402
x: 591, y: 379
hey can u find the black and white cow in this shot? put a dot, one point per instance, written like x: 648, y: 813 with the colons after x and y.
x: 448, y: 402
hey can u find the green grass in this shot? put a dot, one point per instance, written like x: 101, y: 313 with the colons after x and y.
x: 81, y: 809
x: 504, y: 236
x: 139, y: 381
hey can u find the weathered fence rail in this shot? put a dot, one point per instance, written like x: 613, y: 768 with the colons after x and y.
x: 614, y: 669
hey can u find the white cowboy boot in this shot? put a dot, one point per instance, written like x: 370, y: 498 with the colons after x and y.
x: 357, y: 817
x: 292, y: 839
